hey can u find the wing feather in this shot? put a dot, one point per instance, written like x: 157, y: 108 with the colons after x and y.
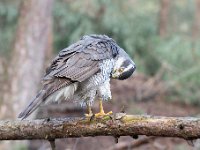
x: 81, y: 60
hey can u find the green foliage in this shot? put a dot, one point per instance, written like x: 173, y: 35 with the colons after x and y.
x: 131, y: 26
x: 182, y: 57
x: 8, y: 19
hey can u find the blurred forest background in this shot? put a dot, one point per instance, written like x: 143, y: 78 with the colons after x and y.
x: 162, y: 37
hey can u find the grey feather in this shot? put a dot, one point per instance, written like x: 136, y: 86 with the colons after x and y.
x: 34, y: 104
x: 88, y: 64
x: 49, y: 88
x: 90, y: 48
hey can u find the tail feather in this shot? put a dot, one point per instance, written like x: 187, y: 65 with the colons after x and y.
x: 33, y: 105
x: 49, y: 88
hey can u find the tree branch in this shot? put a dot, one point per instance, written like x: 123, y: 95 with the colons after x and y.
x: 117, y: 125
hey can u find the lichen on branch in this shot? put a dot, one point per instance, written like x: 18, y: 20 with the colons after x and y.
x: 116, y: 125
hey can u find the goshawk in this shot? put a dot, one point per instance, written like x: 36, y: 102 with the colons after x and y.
x: 82, y: 72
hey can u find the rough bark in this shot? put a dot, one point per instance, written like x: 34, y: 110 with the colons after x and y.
x: 118, y: 125
x: 30, y: 48
x: 163, y: 18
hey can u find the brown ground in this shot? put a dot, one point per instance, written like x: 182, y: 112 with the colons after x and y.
x: 138, y: 95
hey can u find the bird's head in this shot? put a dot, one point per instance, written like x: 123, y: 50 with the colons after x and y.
x: 123, y: 68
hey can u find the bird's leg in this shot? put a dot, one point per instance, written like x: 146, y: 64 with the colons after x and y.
x: 89, y: 109
x: 101, y: 111
x: 101, y: 107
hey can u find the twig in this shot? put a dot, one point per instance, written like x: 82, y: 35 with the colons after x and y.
x: 133, y: 144
x: 53, y: 144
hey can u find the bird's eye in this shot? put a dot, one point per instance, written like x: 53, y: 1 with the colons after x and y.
x: 121, y: 69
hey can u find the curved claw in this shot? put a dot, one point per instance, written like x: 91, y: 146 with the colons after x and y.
x: 102, y: 114
x: 89, y: 115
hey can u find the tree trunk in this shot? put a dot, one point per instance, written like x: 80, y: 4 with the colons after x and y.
x: 163, y: 17
x: 30, y: 48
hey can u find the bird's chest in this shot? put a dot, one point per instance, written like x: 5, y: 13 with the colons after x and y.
x: 101, y: 77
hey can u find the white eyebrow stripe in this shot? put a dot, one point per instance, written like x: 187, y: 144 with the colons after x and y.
x: 128, y: 67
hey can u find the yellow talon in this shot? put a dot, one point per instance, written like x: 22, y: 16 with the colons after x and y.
x: 90, y: 114
x: 101, y: 111
x: 99, y: 115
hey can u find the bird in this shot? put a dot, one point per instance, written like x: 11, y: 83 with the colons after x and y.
x: 82, y: 72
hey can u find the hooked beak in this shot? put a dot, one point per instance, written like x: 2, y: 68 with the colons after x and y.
x: 115, y: 74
